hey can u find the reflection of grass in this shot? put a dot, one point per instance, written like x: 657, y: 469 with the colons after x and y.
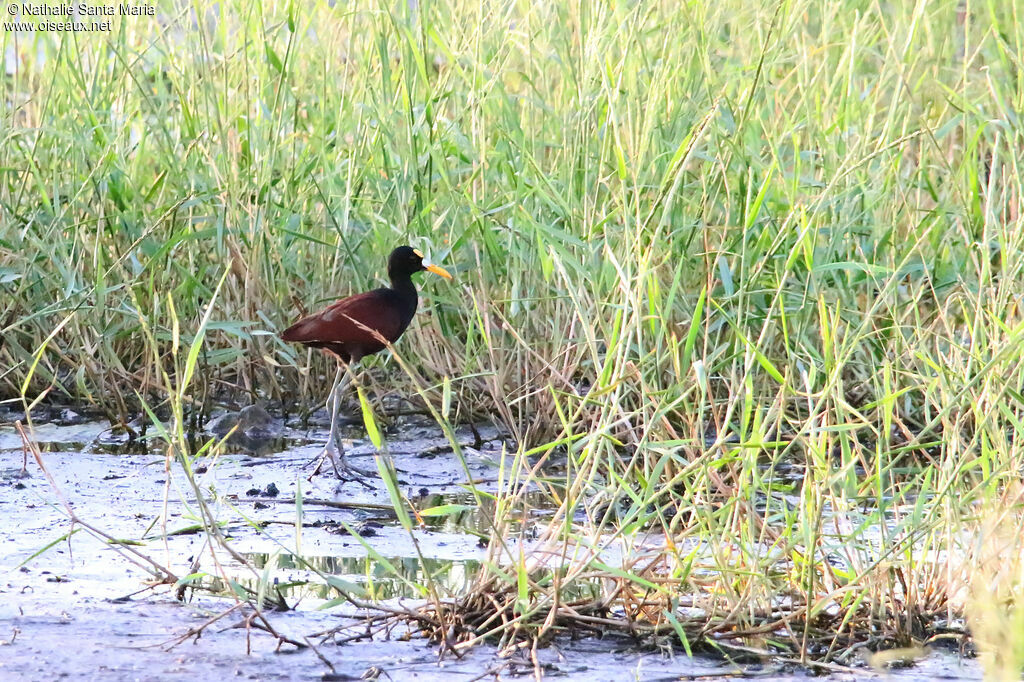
x: 459, y: 513
x: 451, y: 577
x: 695, y: 245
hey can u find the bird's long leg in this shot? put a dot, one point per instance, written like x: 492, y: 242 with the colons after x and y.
x: 334, y: 449
x: 342, y: 379
x: 333, y: 400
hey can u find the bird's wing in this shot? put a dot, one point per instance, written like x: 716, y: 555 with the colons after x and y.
x: 349, y: 320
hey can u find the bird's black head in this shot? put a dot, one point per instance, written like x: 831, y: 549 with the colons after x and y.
x: 405, y: 261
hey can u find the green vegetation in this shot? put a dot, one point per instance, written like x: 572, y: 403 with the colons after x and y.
x: 755, y: 269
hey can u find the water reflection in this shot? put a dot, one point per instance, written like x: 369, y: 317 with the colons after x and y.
x: 296, y: 576
x: 462, y: 512
x: 293, y: 577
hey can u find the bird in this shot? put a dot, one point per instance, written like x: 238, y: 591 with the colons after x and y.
x: 251, y: 428
x: 361, y: 325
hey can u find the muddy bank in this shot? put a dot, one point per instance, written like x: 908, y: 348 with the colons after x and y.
x: 50, y: 636
x: 79, y: 608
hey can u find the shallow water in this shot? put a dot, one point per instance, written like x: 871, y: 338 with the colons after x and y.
x: 78, y: 589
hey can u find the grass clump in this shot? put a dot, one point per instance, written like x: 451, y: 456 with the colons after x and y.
x: 749, y: 273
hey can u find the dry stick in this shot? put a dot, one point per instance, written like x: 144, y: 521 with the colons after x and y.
x: 179, y: 594
x: 568, y: 613
x: 24, y: 452
x: 247, y: 623
x: 164, y: 574
x: 257, y: 620
x: 370, y: 632
x: 197, y: 630
x: 493, y: 671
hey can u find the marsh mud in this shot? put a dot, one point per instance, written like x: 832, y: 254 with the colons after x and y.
x: 73, y: 605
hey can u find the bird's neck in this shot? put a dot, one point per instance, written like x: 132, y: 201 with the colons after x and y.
x: 404, y: 287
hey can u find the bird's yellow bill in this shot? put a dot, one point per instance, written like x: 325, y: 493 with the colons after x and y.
x: 438, y: 270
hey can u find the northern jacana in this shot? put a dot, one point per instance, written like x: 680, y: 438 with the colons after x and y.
x: 361, y: 325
